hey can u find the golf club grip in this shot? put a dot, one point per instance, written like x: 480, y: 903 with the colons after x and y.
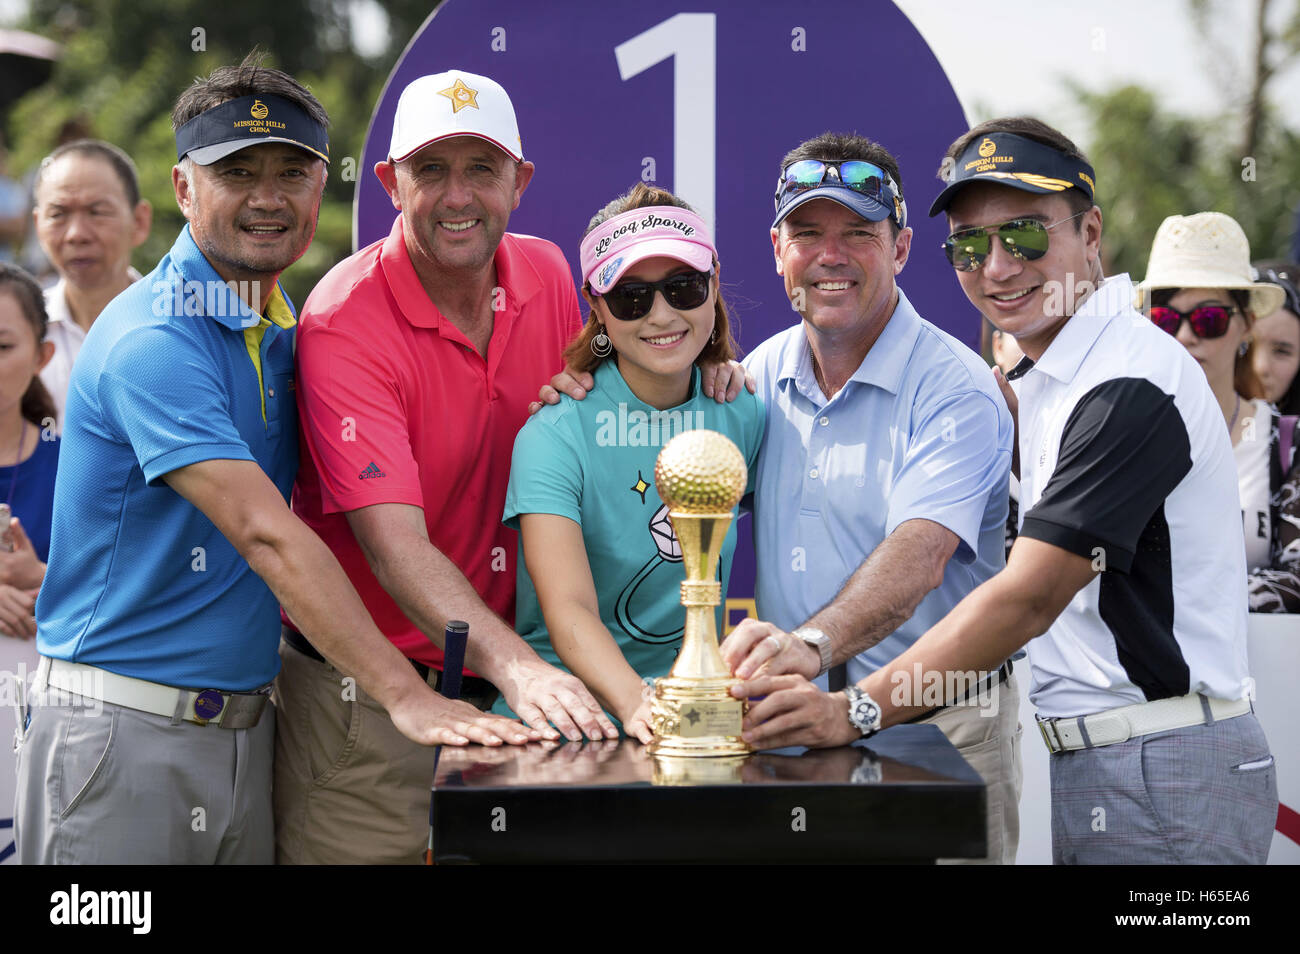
x: 453, y: 657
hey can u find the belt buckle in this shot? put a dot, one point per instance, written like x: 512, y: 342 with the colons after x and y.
x: 1059, y: 746
x: 208, y: 705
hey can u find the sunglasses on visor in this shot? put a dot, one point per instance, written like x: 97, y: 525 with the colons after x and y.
x: 628, y: 301
x: 860, y: 176
x: 1207, y: 321
x: 1025, y: 239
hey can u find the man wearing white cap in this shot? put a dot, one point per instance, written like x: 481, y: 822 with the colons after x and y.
x: 149, y: 738
x: 418, y: 357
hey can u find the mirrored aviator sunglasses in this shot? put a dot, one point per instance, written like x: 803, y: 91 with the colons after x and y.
x: 1208, y: 321
x: 629, y: 301
x: 860, y: 176
x: 1024, y: 238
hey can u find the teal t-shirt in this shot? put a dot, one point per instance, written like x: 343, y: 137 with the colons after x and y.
x: 593, y: 461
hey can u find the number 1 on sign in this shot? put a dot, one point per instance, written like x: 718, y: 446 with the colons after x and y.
x: 691, y: 39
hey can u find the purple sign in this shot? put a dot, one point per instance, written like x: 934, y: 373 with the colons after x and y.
x: 704, y: 102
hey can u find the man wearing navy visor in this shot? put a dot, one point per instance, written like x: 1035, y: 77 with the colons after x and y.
x: 1127, y: 582
x: 893, y: 440
x: 149, y: 736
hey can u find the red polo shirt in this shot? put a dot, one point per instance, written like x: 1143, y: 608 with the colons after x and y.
x: 396, y: 406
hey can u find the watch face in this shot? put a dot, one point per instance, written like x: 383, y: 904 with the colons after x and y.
x: 866, y: 714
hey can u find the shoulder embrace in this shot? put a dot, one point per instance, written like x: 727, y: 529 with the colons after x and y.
x: 554, y: 422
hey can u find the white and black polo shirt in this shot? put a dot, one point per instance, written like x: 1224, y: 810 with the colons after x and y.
x: 1125, y: 460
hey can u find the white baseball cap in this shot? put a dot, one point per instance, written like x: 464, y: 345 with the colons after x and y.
x: 454, y: 103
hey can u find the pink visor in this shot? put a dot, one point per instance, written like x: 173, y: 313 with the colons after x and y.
x: 617, y: 244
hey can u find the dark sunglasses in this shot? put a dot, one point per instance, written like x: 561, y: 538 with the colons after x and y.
x: 864, y: 177
x: 628, y: 301
x: 1207, y: 321
x: 1025, y: 239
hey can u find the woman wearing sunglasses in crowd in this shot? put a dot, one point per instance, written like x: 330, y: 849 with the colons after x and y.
x: 1277, y: 340
x: 27, y: 461
x: 598, y: 584
x: 1200, y: 288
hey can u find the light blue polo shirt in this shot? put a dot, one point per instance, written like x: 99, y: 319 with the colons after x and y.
x: 140, y: 582
x: 919, y: 430
x: 593, y: 461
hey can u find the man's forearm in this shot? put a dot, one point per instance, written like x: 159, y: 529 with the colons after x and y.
x: 884, y: 592
x: 990, y: 624
x: 430, y: 590
x: 980, y: 633
x: 312, y: 587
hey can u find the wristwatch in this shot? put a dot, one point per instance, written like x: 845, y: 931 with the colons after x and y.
x: 817, y: 640
x: 864, y: 714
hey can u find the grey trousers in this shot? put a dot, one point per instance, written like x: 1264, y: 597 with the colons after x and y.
x: 1203, y: 794
x: 103, y: 784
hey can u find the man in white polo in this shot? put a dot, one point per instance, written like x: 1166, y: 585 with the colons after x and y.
x: 1129, y: 565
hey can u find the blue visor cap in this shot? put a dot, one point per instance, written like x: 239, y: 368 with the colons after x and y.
x: 863, y: 205
x: 874, y: 208
x: 1011, y: 160
x: 250, y: 121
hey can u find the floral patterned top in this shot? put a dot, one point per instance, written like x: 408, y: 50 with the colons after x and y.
x: 1276, y: 588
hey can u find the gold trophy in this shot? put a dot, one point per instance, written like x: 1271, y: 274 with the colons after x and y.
x: 700, y: 476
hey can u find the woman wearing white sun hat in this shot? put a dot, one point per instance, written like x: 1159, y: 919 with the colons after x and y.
x: 1200, y: 287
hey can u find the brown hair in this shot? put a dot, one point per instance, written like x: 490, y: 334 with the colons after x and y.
x: 37, y: 405
x: 1037, y: 131
x: 721, y: 347
x: 1286, y: 275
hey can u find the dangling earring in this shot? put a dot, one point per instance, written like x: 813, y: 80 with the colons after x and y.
x: 1243, y: 348
x: 713, y: 337
x: 600, y: 345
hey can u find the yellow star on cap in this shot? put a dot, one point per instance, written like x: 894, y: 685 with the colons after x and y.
x: 460, y: 96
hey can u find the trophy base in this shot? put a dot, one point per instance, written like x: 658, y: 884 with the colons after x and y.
x: 697, y: 718
x: 717, y: 770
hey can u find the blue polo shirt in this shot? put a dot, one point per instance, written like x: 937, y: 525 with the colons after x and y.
x: 919, y: 430
x: 140, y: 582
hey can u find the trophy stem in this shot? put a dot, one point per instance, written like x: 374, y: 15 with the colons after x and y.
x: 694, y: 713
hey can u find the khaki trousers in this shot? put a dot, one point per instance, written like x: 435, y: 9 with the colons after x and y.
x: 990, y: 743
x: 349, y: 788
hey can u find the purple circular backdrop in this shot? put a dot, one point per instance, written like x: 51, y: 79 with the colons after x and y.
x: 743, y: 81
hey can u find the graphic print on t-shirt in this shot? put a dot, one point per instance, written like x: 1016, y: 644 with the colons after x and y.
x: 667, y: 552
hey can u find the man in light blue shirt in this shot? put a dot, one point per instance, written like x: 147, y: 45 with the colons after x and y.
x: 881, y: 494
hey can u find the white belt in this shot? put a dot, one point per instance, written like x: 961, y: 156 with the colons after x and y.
x: 230, y: 710
x: 1125, y: 722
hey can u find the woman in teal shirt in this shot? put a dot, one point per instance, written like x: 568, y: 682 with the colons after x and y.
x: 598, y: 584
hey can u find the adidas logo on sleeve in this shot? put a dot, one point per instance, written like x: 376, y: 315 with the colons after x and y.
x: 372, y: 470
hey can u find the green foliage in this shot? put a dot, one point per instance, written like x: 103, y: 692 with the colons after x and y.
x: 125, y: 62
x: 1152, y: 164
